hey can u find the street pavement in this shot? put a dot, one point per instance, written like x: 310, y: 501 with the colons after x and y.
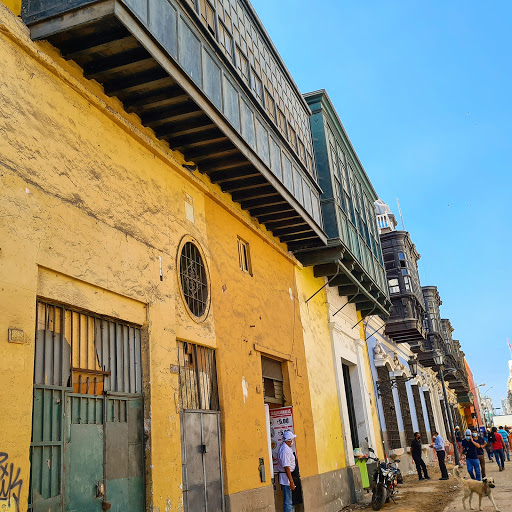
x: 445, y: 496
x: 502, y: 492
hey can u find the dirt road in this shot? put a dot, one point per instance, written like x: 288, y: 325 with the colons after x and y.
x: 421, y: 496
x: 446, y: 496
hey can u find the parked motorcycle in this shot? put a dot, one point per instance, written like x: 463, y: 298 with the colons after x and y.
x: 386, y: 478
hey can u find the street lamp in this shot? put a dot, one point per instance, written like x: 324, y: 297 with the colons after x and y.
x: 438, y: 361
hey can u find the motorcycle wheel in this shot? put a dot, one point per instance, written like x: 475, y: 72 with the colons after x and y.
x: 378, y: 497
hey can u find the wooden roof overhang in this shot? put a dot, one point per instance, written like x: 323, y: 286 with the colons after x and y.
x: 114, y: 48
x: 345, y: 273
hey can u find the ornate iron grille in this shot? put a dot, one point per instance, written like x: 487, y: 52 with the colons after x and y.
x: 197, y: 377
x: 419, y: 414
x: 406, y: 410
x: 430, y: 412
x: 445, y: 420
x: 388, y: 405
x: 194, y: 282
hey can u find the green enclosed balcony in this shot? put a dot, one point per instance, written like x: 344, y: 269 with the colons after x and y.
x: 352, y: 261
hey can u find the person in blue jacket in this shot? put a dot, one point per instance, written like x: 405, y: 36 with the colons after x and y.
x: 470, y: 447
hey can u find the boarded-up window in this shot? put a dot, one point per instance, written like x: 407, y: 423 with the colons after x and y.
x: 89, y: 353
x: 197, y: 377
x: 272, y: 373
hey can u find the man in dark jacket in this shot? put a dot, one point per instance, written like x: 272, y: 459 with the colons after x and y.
x: 416, y: 456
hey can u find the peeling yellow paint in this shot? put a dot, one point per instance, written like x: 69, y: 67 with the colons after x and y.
x: 321, y: 373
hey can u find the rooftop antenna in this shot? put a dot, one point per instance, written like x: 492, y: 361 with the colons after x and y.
x: 400, y: 212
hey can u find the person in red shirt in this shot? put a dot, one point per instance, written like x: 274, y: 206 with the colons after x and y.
x: 498, y: 447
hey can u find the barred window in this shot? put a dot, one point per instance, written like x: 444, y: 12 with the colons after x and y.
x: 193, y: 278
x: 197, y: 377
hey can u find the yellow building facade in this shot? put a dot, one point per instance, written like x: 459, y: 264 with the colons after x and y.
x: 95, y: 217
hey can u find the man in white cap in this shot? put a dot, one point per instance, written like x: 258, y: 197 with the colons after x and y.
x: 285, y: 466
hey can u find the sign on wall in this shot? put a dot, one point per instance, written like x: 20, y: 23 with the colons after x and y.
x: 280, y: 420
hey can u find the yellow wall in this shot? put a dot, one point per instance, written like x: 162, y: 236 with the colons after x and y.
x: 14, y: 5
x: 69, y: 158
x: 321, y: 373
x: 373, y: 400
x: 259, y: 310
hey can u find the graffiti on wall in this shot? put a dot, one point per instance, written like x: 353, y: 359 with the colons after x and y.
x: 10, y: 484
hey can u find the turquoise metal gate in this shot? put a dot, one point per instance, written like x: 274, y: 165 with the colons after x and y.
x: 87, y: 421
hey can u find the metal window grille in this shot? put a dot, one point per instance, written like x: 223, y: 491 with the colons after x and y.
x: 88, y: 353
x: 388, y: 406
x: 406, y: 410
x: 197, y: 377
x: 194, y: 282
x: 430, y: 412
x: 449, y: 434
x: 419, y: 413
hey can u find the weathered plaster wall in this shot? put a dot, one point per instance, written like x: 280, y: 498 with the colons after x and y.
x: 70, y: 157
x: 320, y: 368
x: 255, y: 315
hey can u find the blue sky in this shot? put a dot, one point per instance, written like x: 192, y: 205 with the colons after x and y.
x: 424, y: 91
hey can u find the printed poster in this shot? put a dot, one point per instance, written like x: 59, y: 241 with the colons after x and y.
x: 280, y: 420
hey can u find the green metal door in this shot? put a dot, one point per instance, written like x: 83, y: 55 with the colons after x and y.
x: 124, y: 483
x: 83, y: 454
x: 87, y: 420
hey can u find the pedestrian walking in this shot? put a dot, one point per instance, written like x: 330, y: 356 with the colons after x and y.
x: 498, y: 447
x: 480, y: 451
x: 416, y: 448
x: 469, y: 445
x: 438, y: 445
x: 504, y: 434
x: 285, y: 466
